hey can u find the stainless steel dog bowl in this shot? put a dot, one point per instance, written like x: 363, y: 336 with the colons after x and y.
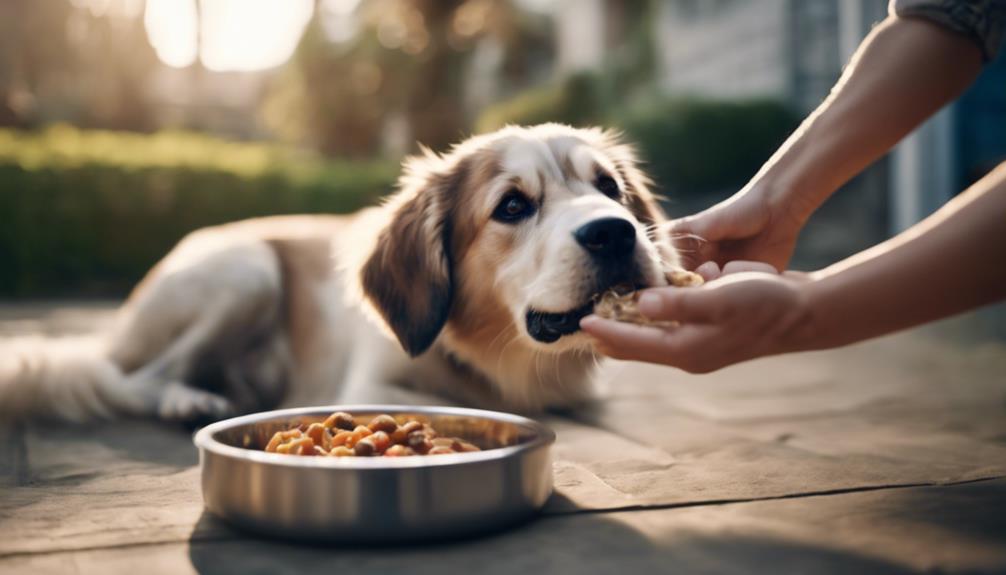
x: 379, y: 499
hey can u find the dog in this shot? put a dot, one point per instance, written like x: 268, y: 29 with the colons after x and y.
x: 468, y: 283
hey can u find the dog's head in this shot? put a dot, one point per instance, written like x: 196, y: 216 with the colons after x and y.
x: 508, y: 238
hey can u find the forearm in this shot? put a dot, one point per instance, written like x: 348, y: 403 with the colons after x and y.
x: 951, y: 262
x: 903, y: 72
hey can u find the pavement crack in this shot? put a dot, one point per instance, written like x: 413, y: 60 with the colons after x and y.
x: 798, y: 495
x: 124, y: 545
x: 218, y: 537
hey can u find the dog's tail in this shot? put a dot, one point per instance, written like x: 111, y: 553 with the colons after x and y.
x: 69, y: 378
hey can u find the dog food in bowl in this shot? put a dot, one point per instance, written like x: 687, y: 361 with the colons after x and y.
x: 377, y: 500
x: 342, y: 435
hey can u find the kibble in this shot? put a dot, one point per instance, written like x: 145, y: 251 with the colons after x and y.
x: 419, y: 442
x: 621, y: 303
x: 341, y: 451
x: 365, y: 447
x: 399, y: 451
x: 320, y: 436
x: 384, y: 423
x: 341, y: 439
x: 341, y: 435
x: 340, y: 420
x: 381, y: 441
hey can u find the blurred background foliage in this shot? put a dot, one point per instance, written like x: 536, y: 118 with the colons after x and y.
x: 688, y: 145
x: 115, y: 146
x: 125, y: 124
x: 89, y: 211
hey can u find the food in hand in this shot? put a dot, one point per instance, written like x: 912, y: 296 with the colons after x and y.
x: 621, y: 305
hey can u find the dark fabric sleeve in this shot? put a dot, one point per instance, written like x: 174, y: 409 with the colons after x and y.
x: 981, y: 20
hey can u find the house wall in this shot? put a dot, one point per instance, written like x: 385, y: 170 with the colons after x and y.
x: 577, y: 23
x: 723, y: 49
x: 795, y: 50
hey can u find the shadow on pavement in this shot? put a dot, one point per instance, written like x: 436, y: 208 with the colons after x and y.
x: 581, y: 543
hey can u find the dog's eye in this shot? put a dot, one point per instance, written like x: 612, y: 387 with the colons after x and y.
x: 607, y: 185
x: 513, y: 208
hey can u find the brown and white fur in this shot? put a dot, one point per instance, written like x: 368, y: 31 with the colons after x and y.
x: 430, y: 290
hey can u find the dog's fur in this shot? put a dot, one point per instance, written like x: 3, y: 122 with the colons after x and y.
x: 427, y: 290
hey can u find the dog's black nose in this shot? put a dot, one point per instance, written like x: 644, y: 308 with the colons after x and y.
x: 607, y: 238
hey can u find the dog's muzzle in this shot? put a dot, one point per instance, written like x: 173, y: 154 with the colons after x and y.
x: 611, y: 245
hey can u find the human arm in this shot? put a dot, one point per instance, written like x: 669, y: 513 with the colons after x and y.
x: 953, y: 261
x: 902, y: 73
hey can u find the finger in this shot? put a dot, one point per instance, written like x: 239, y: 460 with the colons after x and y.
x: 797, y: 275
x: 709, y: 271
x: 692, y: 348
x: 686, y: 305
x: 738, y: 266
x: 625, y: 340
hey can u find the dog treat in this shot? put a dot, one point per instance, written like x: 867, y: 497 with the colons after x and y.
x: 685, y: 278
x: 622, y: 305
x: 342, y: 435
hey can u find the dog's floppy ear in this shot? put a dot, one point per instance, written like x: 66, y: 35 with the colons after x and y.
x: 408, y: 275
x: 640, y: 200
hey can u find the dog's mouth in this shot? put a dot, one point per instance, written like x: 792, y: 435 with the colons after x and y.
x: 548, y: 327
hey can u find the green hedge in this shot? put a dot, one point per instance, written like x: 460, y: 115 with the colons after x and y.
x: 700, y: 146
x: 577, y: 100
x: 88, y: 212
x: 690, y: 145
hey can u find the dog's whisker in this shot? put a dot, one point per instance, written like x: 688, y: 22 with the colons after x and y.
x: 688, y: 236
x: 498, y: 336
x: 555, y: 362
x: 560, y: 381
x: 537, y: 365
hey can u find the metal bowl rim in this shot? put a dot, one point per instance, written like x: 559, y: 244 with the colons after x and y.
x: 204, y: 439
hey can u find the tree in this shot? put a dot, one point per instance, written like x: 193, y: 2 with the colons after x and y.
x: 61, y: 62
x: 404, y: 71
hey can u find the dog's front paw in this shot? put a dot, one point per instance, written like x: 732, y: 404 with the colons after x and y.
x: 185, y: 404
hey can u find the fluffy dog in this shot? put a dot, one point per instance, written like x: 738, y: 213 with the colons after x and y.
x: 469, y: 282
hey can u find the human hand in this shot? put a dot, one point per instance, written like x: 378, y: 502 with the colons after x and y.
x: 749, y: 226
x: 747, y: 311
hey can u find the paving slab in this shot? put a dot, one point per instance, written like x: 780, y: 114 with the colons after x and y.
x: 886, y: 456
x: 908, y: 530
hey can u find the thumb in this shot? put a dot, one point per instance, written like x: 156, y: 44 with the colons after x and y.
x: 687, y: 224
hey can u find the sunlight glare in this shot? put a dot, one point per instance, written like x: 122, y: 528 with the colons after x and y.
x: 252, y: 34
x: 338, y: 17
x: 235, y: 35
x: 171, y: 28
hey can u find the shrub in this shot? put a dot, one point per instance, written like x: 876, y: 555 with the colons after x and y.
x: 86, y: 212
x: 690, y: 145
x: 699, y: 146
x: 576, y: 101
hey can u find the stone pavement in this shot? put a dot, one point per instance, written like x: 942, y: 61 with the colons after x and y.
x: 884, y: 457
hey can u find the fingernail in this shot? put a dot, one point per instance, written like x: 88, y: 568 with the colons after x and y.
x: 586, y: 322
x: 650, y: 304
